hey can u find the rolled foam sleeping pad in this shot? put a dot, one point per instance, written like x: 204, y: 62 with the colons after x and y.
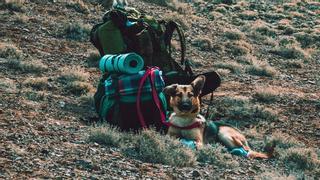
x: 129, y: 63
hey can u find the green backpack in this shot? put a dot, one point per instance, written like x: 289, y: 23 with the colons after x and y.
x: 127, y: 30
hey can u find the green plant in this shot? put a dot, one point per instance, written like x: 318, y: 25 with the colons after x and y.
x: 216, y: 155
x: 155, y: 148
x: 261, y: 69
x: 77, y: 31
x: 106, y: 135
x: 78, y: 87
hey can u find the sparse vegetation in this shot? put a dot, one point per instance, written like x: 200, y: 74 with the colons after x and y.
x: 217, y: 155
x: 204, y: 43
x: 35, y: 67
x: 77, y: 31
x: 261, y: 69
x: 266, y: 94
x: 10, y: 51
x: 232, y: 66
x: 13, y: 5
x: 79, y: 6
x: 78, y: 87
x: 106, y: 135
x: 289, y: 52
x: 238, y: 48
x: 93, y: 59
x: 233, y: 34
x: 301, y: 158
x: 73, y: 74
x: 37, y: 83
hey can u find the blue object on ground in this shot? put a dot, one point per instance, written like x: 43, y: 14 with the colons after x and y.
x: 239, y: 152
x: 189, y: 143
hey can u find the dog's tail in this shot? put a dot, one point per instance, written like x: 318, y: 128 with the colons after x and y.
x: 269, y: 150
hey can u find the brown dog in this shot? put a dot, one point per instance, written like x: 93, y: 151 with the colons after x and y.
x: 186, y: 122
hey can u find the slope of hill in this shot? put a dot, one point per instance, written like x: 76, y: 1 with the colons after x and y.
x: 267, y: 52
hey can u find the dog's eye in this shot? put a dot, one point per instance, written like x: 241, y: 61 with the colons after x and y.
x: 179, y: 94
x: 190, y: 94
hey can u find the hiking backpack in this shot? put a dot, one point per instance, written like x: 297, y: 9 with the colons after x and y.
x: 125, y: 31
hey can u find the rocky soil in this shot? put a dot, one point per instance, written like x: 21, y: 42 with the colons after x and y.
x: 44, y: 122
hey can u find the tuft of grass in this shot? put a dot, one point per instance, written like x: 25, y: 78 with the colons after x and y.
x: 174, y: 16
x: 248, y: 15
x: 274, y: 175
x: 295, y: 64
x: 216, y: 155
x: 307, y: 39
x: 13, y: 5
x: 37, y: 83
x: 283, y: 141
x: 246, y: 59
x: 79, y: 6
x: 266, y: 95
x: 241, y: 110
x: 77, y: 31
x: 73, y: 74
x: 232, y: 66
x: 265, y: 30
x: 301, y: 158
x: 155, y: 148
x: 289, y: 52
x: 106, y: 135
x: 261, y: 69
x: 36, y: 67
x: 93, y: 59
x: 9, y: 51
x: 233, y: 34
x: 87, y: 99
x: 204, y: 43
x: 238, y: 48
x: 78, y: 87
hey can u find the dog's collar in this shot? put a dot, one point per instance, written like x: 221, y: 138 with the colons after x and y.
x: 196, y: 124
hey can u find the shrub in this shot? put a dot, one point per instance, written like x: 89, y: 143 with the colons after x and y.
x: 261, y: 69
x: 248, y: 15
x: 78, y: 87
x: 77, y: 31
x: 13, y: 5
x: 241, y: 110
x: 79, y: 6
x: 216, y: 155
x: 289, y: 52
x: 233, y: 34
x: 301, y: 158
x: 106, y: 135
x: 73, y: 74
x: 9, y: 51
x: 37, y: 83
x: 266, y: 95
x: 204, y: 43
x: 155, y: 148
x: 232, y: 66
x: 238, y: 48
x: 306, y: 39
x: 265, y: 30
x: 93, y: 59
x: 36, y: 67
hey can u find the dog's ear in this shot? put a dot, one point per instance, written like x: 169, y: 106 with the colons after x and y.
x: 198, y: 84
x: 170, y: 90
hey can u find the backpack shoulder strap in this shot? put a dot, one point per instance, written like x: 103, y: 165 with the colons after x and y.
x: 171, y: 26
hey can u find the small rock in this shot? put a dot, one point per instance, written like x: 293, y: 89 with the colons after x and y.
x: 196, y: 173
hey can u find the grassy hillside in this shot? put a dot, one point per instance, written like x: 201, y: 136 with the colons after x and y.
x: 267, y: 53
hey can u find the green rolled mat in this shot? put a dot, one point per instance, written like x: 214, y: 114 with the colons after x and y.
x: 129, y: 63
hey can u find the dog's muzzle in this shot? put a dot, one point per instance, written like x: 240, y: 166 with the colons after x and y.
x: 185, y: 106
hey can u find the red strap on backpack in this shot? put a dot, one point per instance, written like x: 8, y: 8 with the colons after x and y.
x: 149, y: 72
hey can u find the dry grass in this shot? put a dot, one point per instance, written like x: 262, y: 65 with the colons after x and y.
x: 73, y: 74
x: 79, y: 88
x: 238, y: 48
x: 274, y: 175
x: 77, y: 31
x: 106, y: 135
x: 216, y: 155
x: 13, y: 5
x: 10, y: 51
x: 248, y: 15
x: 87, y: 100
x: 266, y: 94
x: 79, y: 6
x: 37, y: 83
x: 233, y: 34
x: 301, y: 158
x: 246, y: 59
x: 261, y: 69
x: 204, y: 43
x: 177, y: 18
x: 93, y: 59
x: 35, y: 67
x: 307, y: 39
x: 290, y: 52
x: 232, y: 66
